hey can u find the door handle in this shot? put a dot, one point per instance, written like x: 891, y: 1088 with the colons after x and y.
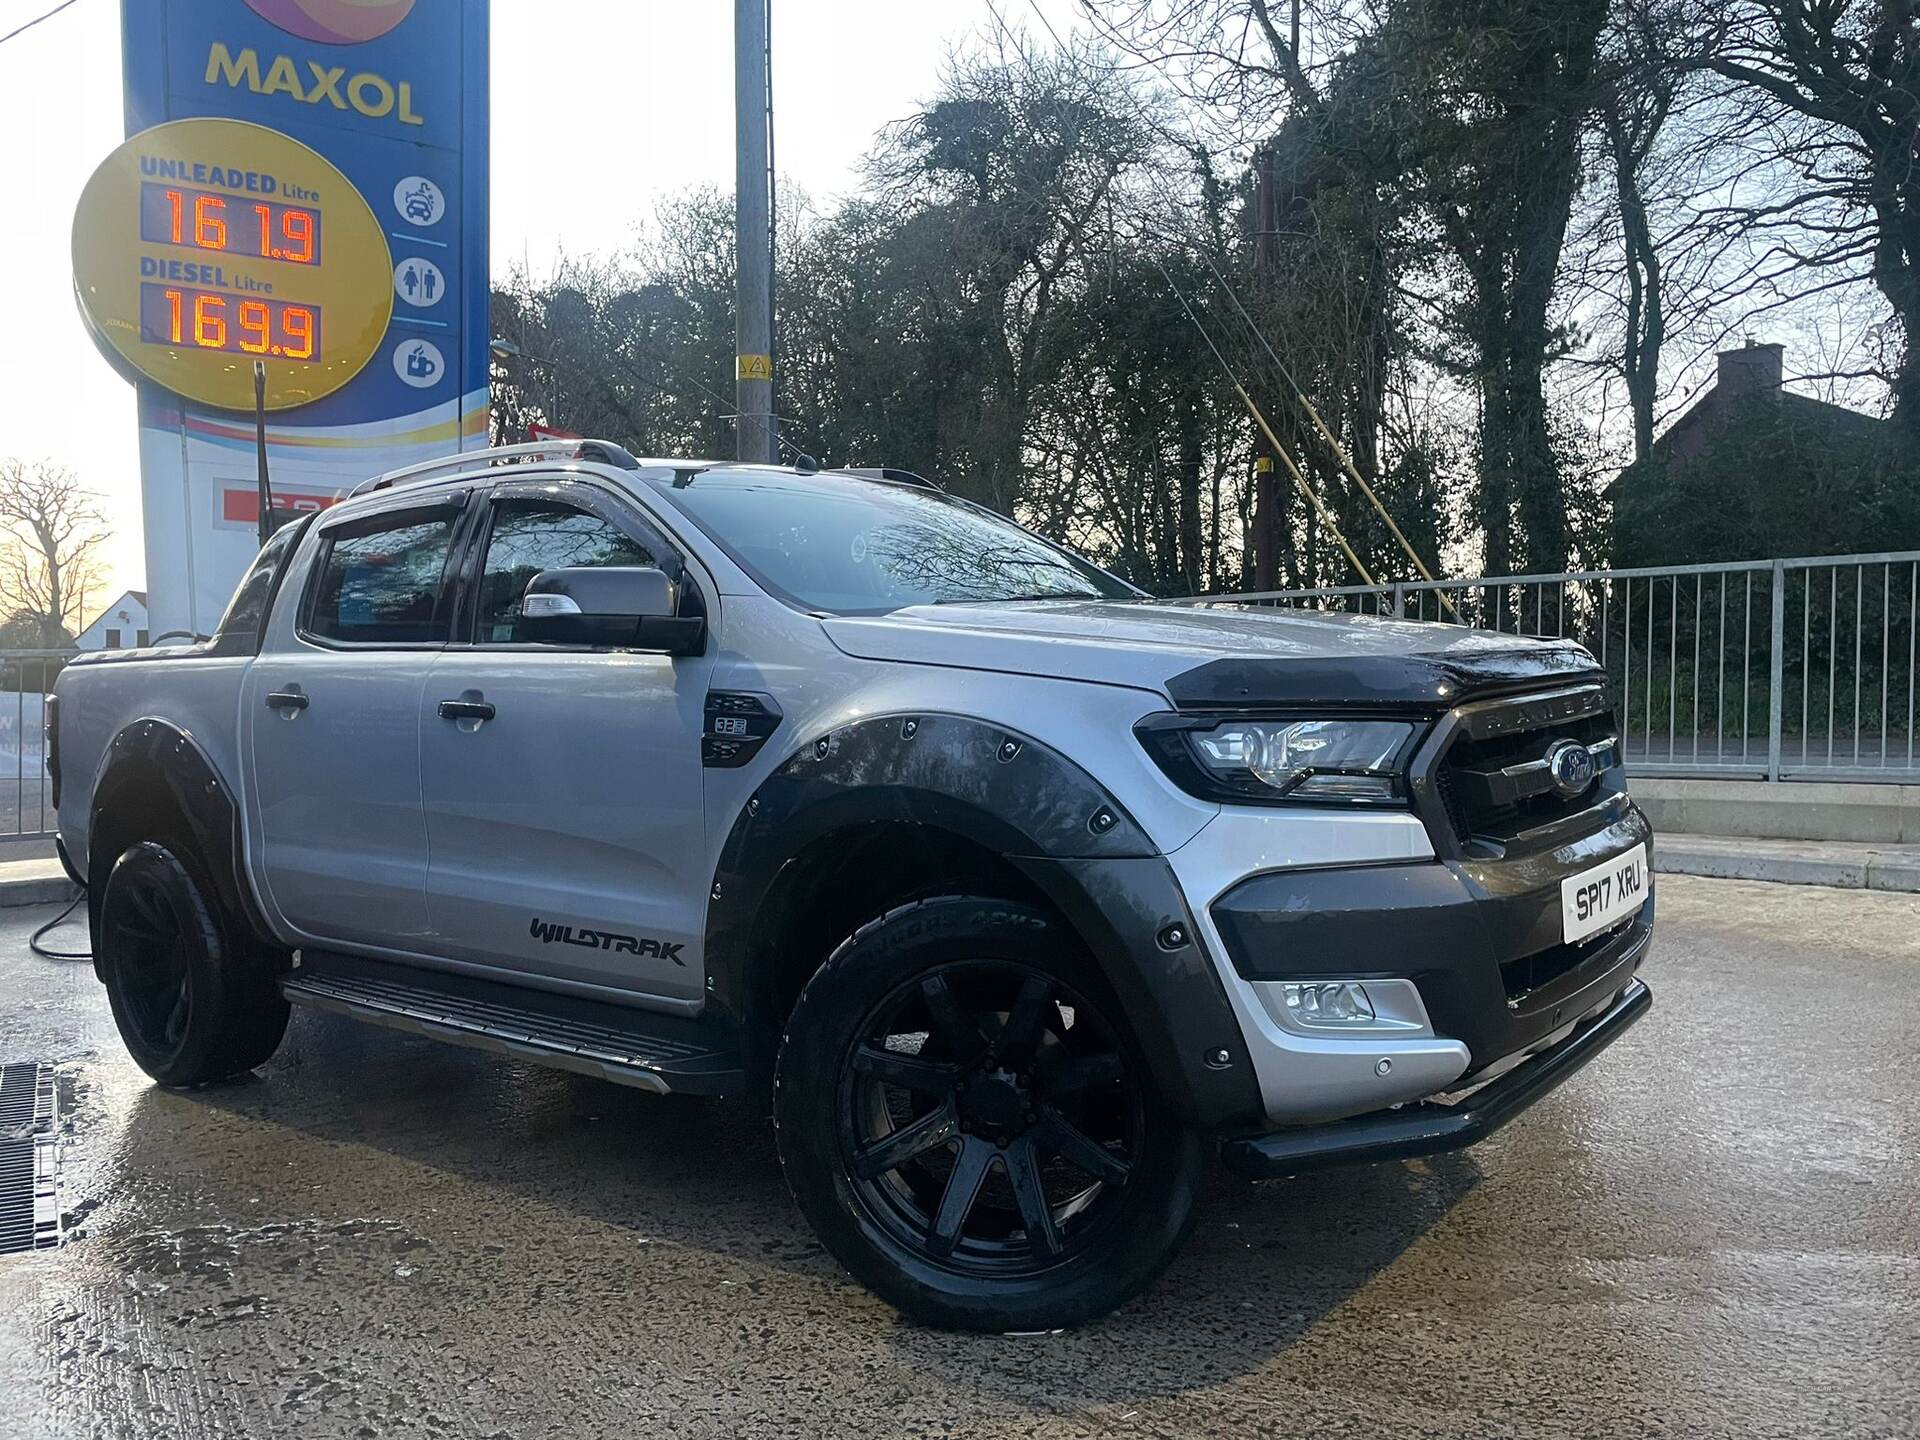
x: 466, y: 710
x: 287, y: 700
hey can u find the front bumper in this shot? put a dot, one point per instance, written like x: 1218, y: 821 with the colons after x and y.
x: 1480, y: 939
x: 1367, y: 899
x: 1431, y: 1128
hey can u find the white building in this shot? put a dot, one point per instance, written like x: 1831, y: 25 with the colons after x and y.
x: 121, y: 626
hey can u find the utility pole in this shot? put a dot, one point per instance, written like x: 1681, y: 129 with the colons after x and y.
x: 1266, y: 521
x: 753, y: 237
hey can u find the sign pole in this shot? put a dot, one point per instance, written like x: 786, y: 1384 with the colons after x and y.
x: 260, y: 448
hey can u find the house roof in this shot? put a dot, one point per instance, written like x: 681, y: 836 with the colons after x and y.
x: 139, y: 596
x: 1691, y: 432
x: 1736, y: 418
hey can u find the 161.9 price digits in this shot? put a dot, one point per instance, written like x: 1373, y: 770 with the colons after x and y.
x: 263, y: 229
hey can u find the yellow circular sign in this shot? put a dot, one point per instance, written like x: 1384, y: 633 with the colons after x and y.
x: 202, y: 246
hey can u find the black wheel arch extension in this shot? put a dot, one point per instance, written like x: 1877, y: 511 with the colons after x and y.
x: 1003, y: 795
x: 156, y: 776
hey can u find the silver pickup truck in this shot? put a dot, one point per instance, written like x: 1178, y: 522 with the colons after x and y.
x: 1019, y: 893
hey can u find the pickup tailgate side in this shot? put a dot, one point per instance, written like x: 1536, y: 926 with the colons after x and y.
x: 194, y: 693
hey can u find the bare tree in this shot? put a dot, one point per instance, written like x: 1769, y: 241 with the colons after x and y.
x: 1011, y: 176
x: 1635, y: 99
x: 1838, y: 86
x: 51, y: 535
x: 1303, y: 88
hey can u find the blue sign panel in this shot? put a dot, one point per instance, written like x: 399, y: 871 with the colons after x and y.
x: 393, y: 94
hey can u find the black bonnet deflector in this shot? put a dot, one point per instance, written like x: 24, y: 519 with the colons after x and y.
x: 1397, y: 682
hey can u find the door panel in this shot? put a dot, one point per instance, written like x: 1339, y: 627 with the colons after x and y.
x: 567, y: 832
x: 336, y: 783
x: 331, y: 712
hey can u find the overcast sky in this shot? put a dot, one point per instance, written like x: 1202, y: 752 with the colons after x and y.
x: 600, y: 109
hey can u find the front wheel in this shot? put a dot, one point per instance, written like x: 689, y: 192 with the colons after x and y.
x: 964, y: 1117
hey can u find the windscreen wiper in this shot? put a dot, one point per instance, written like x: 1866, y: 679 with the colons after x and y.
x: 1013, y: 599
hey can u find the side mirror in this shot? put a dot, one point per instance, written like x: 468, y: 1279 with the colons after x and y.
x: 628, y: 607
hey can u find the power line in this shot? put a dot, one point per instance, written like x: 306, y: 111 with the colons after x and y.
x: 1327, y: 435
x: 1285, y: 375
x: 1306, y: 489
x: 1312, y: 496
x: 21, y: 30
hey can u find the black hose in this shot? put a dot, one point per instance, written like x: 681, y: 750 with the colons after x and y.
x: 46, y: 954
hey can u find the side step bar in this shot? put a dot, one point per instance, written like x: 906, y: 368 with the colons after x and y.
x: 1430, y: 1128
x: 662, y: 1053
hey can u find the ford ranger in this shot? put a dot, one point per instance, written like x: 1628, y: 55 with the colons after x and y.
x: 1021, y: 894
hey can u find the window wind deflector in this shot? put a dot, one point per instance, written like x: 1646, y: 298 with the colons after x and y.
x: 393, y: 517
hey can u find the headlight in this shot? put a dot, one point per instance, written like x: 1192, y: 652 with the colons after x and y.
x: 1358, y: 762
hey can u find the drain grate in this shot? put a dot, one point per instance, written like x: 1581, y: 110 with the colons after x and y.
x: 29, y: 1159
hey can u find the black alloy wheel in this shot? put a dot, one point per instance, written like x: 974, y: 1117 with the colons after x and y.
x: 987, y: 1118
x: 150, y: 942
x: 966, y: 1120
x: 191, y: 1005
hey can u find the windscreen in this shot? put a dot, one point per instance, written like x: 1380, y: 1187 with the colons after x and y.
x: 855, y: 546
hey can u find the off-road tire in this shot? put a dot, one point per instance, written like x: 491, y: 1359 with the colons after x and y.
x: 192, y: 1005
x: 1023, y: 1116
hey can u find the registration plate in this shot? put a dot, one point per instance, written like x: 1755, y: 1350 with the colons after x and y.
x: 1603, y: 896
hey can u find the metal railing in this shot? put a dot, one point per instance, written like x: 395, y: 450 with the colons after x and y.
x: 1777, y: 669
x: 1799, y: 669
x: 26, y: 790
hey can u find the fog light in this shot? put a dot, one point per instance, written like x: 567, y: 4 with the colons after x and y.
x: 1334, y: 1002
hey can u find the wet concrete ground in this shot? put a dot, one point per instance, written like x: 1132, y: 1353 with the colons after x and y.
x: 1714, y: 1230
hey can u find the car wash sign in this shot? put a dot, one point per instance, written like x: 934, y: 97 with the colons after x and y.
x: 303, y: 186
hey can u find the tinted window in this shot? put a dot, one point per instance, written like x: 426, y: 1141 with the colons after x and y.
x: 247, y: 611
x: 529, y: 536
x: 851, y: 546
x: 382, y: 586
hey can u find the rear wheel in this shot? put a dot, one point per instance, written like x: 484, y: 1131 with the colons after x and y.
x: 964, y: 1118
x: 190, y: 1006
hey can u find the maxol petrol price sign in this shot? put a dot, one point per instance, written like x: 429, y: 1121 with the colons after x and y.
x: 201, y: 246
x: 304, y: 187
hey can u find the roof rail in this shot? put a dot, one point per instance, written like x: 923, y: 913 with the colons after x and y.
x: 603, y: 452
x: 887, y: 472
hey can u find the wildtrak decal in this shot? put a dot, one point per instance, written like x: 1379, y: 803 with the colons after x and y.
x: 549, y: 932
